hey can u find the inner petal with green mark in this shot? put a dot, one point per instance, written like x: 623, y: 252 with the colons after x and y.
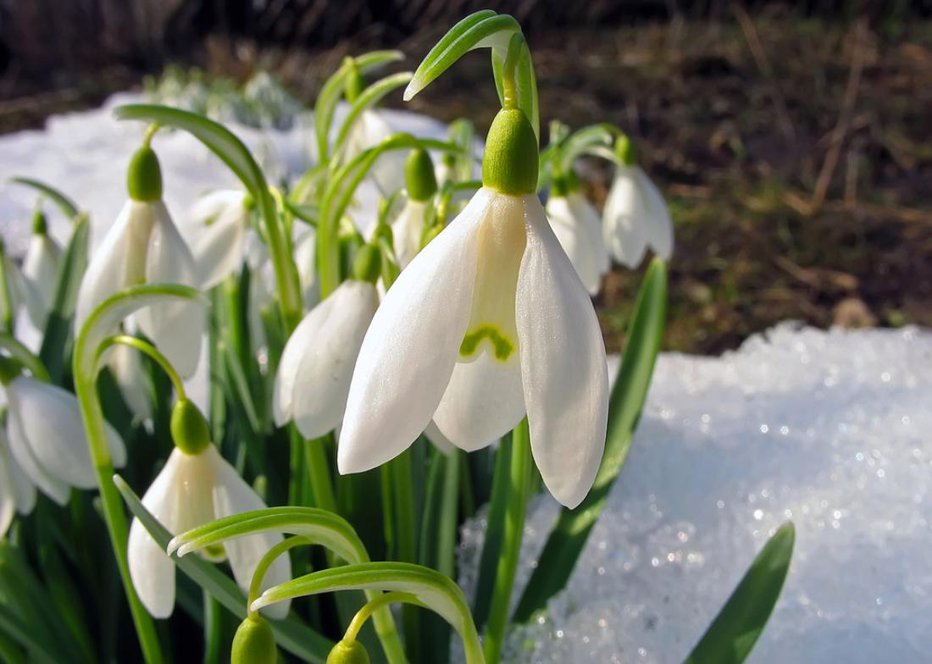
x: 502, y: 240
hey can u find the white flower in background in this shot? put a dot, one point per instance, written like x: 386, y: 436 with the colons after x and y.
x: 218, y: 225
x: 46, y: 435
x: 305, y: 258
x: 368, y: 131
x: 317, y: 363
x: 579, y: 229
x: 196, y: 486
x: 408, y: 226
x: 144, y: 246
x: 125, y: 364
x: 635, y: 214
x: 487, y: 323
x: 40, y: 271
x: 17, y: 493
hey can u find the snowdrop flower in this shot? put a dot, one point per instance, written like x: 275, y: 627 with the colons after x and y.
x: 369, y: 130
x: 579, y: 230
x: 46, y: 435
x: 219, y: 224
x: 17, y: 493
x: 40, y: 271
x: 487, y: 323
x: 635, y: 215
x: 317, y: 362
x: 196, y: 486
x: 408, y: 227
x: 125, y: 364
x: 144, y: 246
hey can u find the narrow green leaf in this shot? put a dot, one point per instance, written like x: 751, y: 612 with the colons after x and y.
x: 492, y: 547
x: 291, y: 634
x: 572, y: 529
x: 68, y: 207
x: 38, y: 647
x: 732, y: 635
x: 369, y: 97
x: 58, y: 328
x: 482, y: 29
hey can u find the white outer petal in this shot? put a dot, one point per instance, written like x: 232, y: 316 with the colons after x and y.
x: 125, y: 364
x: 233, y: 496
x: 438, y: 440
x: 40, y: 269
x: 410, y: 349
x: 305, y: 258
x: 625, y: 216
x: 115, y: 263
x: 7, y: 490
x: 50, y: 419
x: 660, y: 226
x: 24, y: 456
x: 218, y: 226
x: 329, y: 339
x: 483, y: 401
x: 24, y: 491
x: 575, y: 240
x: 563, y: 367
x: 407, y: 229
x: 586, y: 214
x: 176, y: 328
x: 151, y: 570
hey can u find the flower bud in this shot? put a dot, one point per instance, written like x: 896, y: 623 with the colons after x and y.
x: 511, y: 158
x: 190, y: 432
x: 144, y: 176
x: 39, y: 223
x: 348, y: 652
x: 354, y: 84
x: 420, y: 179
x: 9, y: 369
x: 254, y: 642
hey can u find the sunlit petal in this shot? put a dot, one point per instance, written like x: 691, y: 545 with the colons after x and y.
x: 624, y: 216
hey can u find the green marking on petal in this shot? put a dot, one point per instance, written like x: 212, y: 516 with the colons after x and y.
x: 503, y: 346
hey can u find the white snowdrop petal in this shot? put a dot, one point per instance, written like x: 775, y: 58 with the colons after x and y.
x: 40, y: 269
x: 125, y: 365
x: 50, y: 419
x: 331, y: 336
x: 438, y: 440
x: 24, y: 491
x: 576, y: 243
x: 218, y: 247
x: 151, y: 570
x: 483, y: 402
x: 25, y: 457
x: 407, y: 229
x: 660, y: 225
x: 118, y: 261
x: 175, y: 328
x: 583, y: 211
x: 305, y: 258
x: 624, y: 216
x: 232, y: 495
x: 563, y: 367
x: 411, y: 347
x: 7, y: 491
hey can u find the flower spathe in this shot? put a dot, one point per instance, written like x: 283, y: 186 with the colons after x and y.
x: 635, y: 218
x: 579, y: 231
x: 47, y: 439
x: 487, y: 323
x: 191, y: 490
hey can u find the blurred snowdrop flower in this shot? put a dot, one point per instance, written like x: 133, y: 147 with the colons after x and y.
x: 40, y: 271
x: 635, y: 214
x: 579, y: 231
x: 305, y: 258
x: 17, y: 492
x: 144, y: 246
x: 487, y: 323
x: 218, y: 224
x: 46, y: 435
x: 317, y: 363
x: 196, y: 486
x: 125, y: 366
x: 369, y: 130
x: 408, y: 226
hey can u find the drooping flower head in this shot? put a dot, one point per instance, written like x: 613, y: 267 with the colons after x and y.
x: 196, y: 486
x: 408, y: 227
x: 635, y: 215
x: 486, y: 324
x: 40, y: 270
x: 144, y: 246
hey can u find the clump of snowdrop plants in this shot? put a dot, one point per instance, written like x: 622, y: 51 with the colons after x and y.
x: 375, y: 377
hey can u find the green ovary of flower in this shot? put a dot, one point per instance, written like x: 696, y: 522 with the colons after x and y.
x: 502, y: 346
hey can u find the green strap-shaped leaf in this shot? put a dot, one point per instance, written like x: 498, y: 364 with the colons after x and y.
x: 68, y: 207
x: 369, y: 98
x: 572, y: 529
x: 291, y: 634
x: 58, y: 327
x: 332, y: 91
x: 736, y: 628
x: 429, y: 587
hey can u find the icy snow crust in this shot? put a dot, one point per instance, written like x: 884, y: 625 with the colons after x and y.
x: 829, y: 429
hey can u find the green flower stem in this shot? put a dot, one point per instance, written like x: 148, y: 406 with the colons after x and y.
x: 370, y: 607
x: 6, y: 299
x: 509, y: 71
x: 24, y: 356
x: 255, y: 585
x: 213, y: 630
x: 85, y: 369
x: 152, y: 352
x: 520, y: 474
x: 318, y: 468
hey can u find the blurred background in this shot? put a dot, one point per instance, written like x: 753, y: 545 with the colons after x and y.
x: 793, y: 140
